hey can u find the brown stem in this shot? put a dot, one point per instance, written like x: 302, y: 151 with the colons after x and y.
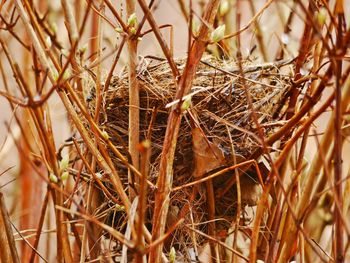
x: 7, y: 242
x: 338, y: 120
x: 134, y: 101
x: 40, y: 225
x: 165, y: 178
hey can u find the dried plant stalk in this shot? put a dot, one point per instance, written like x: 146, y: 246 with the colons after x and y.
x: 164, y: 182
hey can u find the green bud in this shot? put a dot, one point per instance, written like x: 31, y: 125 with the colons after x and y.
x: 105, y: 135
x: 195, y: 28
x: 64, y: 176
x: 146, y: 143
x: 65, y: 52
x: 63, y: 164
x: 132, y: 20
x: 55, y: 76
x: 321, y: 16
x: 119, y: 208
x: 54, y: 27
x: 224, y: 7
x: 48, y: 41
x: 186, y: 104
x: 119, y: 30
x: 66, y: 74
x: 133, y: 30
x: 218, y: 33
x: 172, y: 255
x: 53, y: 178
x: 83, y: 48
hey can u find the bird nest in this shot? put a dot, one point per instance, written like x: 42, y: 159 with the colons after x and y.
x: 219, y: 100
x: 223, y: 99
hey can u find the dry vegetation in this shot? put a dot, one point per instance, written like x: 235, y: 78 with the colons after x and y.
x: 202, y: 158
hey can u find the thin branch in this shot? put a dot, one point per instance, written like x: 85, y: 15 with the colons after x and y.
x: 165, y: 177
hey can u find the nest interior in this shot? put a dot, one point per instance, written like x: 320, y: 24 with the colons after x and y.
x: 219, y: 100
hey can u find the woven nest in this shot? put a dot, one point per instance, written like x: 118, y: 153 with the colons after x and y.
x: 219, y: 101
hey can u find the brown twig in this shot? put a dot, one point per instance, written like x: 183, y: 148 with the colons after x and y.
x: 40, y: 226
x: 7, y: 243
x: 164, y: 182
x: 251, y: 21
x: 338, y: 120
x: 167, y: 52
x: 134, y: 101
